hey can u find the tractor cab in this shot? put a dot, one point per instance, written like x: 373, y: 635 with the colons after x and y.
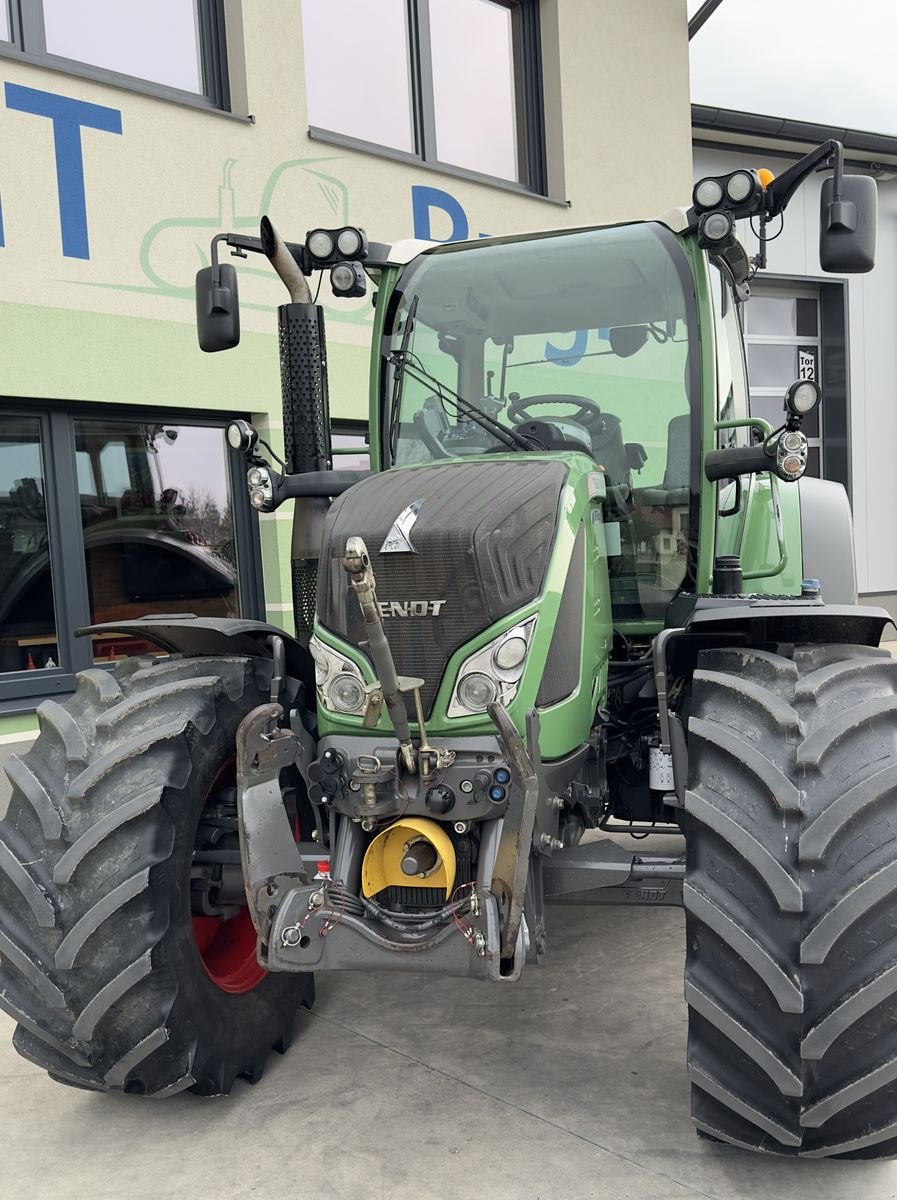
x: 580, y: 342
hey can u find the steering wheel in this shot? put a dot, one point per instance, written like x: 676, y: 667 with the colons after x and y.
x: 586, y: 411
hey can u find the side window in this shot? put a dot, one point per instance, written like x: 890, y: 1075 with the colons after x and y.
x: 731, y: 385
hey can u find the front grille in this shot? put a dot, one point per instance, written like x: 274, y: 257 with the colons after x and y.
x: 482, y: 542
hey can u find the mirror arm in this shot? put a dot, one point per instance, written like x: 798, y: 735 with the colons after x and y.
x: 785, y: 185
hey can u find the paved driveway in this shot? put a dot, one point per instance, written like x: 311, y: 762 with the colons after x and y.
x: 566, y: 1086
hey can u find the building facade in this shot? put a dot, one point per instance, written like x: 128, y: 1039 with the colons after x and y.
x: 128, y: 141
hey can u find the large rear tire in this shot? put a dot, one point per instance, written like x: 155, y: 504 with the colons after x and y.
x: 99, y: 963
x: 791, y: 900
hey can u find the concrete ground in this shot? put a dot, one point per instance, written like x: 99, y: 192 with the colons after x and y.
x: 569, y: 1085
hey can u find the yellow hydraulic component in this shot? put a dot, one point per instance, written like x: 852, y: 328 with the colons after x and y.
x: 414, y: 852
x: 766, y: 177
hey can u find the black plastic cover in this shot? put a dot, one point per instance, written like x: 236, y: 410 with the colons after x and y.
x: 482, y: 541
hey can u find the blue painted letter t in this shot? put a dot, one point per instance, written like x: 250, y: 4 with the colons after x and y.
x: 68, y: 117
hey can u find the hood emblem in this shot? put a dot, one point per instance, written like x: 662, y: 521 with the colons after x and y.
x: 398, y: 540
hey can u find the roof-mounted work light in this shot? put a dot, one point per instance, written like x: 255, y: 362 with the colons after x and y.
x: 347, y: 279
x: 326, y: 247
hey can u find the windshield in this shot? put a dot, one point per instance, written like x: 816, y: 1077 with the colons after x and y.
x: 563, y: 329
x: 571, y: 341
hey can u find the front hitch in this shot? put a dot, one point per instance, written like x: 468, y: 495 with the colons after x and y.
x: 271, y: 860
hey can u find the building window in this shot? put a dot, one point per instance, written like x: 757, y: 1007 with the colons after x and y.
x: 782, y: 338
x: 173, y: 47
x: 458, y: 82
x: 132, y: 516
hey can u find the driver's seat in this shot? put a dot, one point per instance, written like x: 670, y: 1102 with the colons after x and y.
x: 674, y: 490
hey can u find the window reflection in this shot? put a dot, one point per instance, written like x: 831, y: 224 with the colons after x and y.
x: 157, y: 517
x: 27, y: 619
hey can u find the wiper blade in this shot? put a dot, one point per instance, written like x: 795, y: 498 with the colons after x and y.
x: 464, y: 407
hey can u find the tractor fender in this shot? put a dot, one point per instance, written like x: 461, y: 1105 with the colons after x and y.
x: 695, y: 623
x: 183, y: 633
x: 826, y: 536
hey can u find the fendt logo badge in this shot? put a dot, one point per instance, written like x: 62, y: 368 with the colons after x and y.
x: 398, y: 540
x: 410, y: 608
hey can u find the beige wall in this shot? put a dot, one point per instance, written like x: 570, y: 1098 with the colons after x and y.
x: 617, y: 98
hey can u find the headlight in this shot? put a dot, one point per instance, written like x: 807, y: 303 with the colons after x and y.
x: 347, y: 693
x: 341, y: 687
x: 476, y: 691
x: 493, y: 673
x: 510, y: 653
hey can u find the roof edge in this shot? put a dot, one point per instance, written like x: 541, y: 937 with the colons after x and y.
x: 727, y: 120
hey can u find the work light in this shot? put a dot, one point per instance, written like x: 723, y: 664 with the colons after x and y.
x: 715, y: 228
x: 802, y: 397
x: 708, y: 193
x: 740, y: 186
x: 328, y: 246
x: 347, y: 279
x: 320, y: 243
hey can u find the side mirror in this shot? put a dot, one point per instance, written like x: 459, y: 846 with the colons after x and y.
x: 217, y: 308
x: 848, y: 227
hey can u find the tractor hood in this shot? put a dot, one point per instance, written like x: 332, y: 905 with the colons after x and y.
x: 454, y: 548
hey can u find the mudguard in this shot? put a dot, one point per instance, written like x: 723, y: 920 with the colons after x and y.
x: 183, y: 633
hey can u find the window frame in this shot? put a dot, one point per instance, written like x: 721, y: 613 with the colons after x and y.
x: 28, y: 43
x: 530, y: 108
x: 22, y: 691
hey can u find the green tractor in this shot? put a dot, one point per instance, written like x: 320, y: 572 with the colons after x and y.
x: 581, y: 589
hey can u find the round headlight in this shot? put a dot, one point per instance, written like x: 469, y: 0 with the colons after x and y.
x: 476, y: 691
x: 708, y: 193
x: 740, y: 186
x: 793, y: 441
x: 347, y: 693
x: 510, y: 653
x: 256, y: 477
x: 802, y: 397
x: 320, y: 243
x: 348, y: 242
x: 716, y: 226
x: 257, y: 499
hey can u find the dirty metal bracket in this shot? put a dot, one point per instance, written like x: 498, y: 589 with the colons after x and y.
x: 509, y: 874
x: 270, y: 858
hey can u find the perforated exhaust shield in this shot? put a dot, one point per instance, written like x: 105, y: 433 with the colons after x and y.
x: 482, y: 541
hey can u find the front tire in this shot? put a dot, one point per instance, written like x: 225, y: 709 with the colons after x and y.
x: 791, y: 900
x: 99, y: 964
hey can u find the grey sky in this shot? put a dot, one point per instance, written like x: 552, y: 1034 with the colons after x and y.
x: 811, y: 60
